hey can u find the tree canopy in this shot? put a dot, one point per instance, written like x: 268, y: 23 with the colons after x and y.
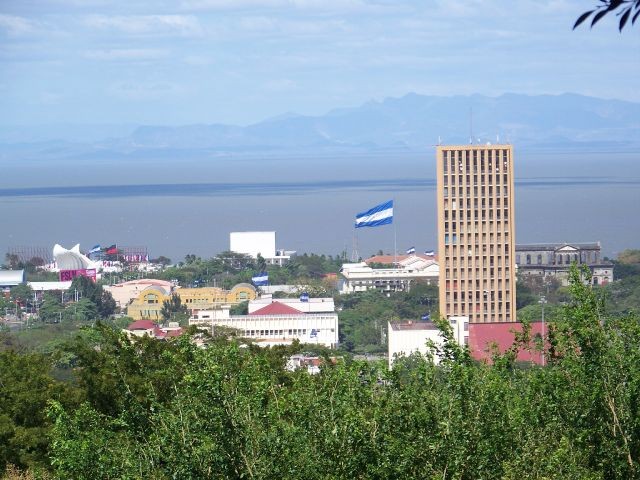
x: 625, y: 9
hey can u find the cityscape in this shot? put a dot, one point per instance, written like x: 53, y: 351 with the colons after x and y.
x: 443, y: 284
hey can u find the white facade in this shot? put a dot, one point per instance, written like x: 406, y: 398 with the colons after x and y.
x: 253, y: 243
x: 263, y: 243
x: 314, y: 305
x: 405, y: 338
x: 359, y: 277
x: 49, y: 286
x: 276, y: 329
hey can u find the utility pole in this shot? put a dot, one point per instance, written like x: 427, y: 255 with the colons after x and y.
x: 542, y: 302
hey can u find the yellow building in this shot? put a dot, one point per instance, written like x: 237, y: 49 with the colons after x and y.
x: 211, y: 298
x: 148, y: 304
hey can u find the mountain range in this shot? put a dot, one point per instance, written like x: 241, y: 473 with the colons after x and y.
x: 409, y: 123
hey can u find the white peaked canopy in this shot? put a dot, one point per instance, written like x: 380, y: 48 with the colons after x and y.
x: 72, y: 259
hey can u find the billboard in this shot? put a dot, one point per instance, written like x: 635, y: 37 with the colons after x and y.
x: 68, y: 275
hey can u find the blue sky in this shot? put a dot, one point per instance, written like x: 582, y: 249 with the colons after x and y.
x: 240, y: 61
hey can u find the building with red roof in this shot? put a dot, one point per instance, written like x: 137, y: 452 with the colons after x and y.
x: 140, y: 328
x: 485, y: 339
x: 277, y: 323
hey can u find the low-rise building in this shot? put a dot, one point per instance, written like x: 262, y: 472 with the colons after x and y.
x: 555, y: 260
x: 140, y: 328
x: 123, y: 293
x: 209, y: 298
x: 147, y: 305
x: 310, y: 305
x: 276, y: 323
x: 359, y: 277
x: 405, y: 338
x: 11, y: 278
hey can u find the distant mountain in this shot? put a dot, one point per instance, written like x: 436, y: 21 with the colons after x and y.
x: 412, y: 122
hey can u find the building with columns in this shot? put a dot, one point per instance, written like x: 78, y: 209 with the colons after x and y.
x: 555, y: 259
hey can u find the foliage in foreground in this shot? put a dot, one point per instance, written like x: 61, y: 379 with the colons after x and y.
x: 160, y: 410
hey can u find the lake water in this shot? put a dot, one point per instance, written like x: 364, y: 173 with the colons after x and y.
x: 176, y: 206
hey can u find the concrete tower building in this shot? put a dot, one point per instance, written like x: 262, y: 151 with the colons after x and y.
x: 476, y: 244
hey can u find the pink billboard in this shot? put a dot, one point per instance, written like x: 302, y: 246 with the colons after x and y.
x: 68, y: 275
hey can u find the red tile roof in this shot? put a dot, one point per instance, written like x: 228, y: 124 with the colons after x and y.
x: 484, y: 336
x: 276, y: 308
x: 142, y: 325
x: 174, y: 333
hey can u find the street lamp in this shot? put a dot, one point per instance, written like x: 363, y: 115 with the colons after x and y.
x: 543, y: 302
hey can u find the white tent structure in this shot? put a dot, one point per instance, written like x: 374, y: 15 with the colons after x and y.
x: 72, y: 259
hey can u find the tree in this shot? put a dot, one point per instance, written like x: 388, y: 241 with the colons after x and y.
x: 162, y: 260
x: 173, y: 309
x: 625, y: 9
x: 13, y: 260
x: 86, y: 288
x: 51, y: 308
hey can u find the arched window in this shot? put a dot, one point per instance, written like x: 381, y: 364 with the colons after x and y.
x: 528, y: 259
x: 539, y: 259
x: 151, y: 298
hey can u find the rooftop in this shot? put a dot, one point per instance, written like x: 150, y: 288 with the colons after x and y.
x: 555, y: 246
x: 276, y: 308
x: 390, y: 259
x: 398, y: 326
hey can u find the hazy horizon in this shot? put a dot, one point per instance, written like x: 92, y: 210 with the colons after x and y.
x: 240, y: 62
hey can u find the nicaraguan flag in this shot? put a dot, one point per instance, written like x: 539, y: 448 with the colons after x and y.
x: 430, y: 253
x: 95, y: 249
x: 411, y: 250
x: 426, y: 316
x: 304, y: 297
x: 379, y: 215
x: 261, y: 279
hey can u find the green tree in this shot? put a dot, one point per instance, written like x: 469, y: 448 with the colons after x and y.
x: 174, y: 310
x: 51, y: 308
x: 87, y: 289
x: 26, y: 388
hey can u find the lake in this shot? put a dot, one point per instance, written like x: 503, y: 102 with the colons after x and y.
x: 182, y: 205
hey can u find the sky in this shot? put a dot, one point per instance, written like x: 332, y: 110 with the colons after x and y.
x: 183, y: 62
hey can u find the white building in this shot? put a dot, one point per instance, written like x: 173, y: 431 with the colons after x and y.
x: 313, y: 305
x: 49, y: 286
x: 405, y: 338
x: 11, y: 278
x: 259, y: 243
x: 358, y: 277
x: 275, y: 324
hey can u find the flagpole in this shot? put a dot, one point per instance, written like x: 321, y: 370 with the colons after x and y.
x: 395, y: 237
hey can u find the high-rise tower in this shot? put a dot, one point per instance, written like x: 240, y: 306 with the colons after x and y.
x: 476, y: 244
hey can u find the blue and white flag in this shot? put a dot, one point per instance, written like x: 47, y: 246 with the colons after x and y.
x: 430, y: 253
x: 313, y: 333
x: 379, y: 215
x: 304, y: 297
x: 426, y: 316
x: 261, y: 279
x: 411, y: 250
x: 95, y: 249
